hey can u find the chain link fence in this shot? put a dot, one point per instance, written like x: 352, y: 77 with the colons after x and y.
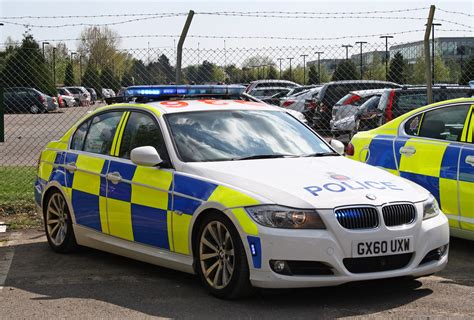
x: 340, y: 90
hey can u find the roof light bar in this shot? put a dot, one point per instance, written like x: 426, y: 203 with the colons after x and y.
x: 183, y: 90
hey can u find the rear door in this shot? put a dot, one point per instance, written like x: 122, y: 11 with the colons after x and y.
x: 86, y: 164
x: 428, y: 153
x: 466, y: 175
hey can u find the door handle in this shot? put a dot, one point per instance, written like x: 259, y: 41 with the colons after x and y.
x: 408, y: 151
x: 114, y: 177
x: 470, y: 160
x: 71, y: 167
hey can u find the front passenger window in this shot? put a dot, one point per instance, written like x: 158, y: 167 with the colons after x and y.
x: 141, y: 130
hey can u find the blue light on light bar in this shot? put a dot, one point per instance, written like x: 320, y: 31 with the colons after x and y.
x: 156, y: 91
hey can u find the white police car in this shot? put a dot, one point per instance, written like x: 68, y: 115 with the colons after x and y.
x: 239, y: 192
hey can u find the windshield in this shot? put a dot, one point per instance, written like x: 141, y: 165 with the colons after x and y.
x: 235, y: 135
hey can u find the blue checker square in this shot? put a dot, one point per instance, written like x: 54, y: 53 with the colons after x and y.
x: 429, y: 183
x: 185, y: 205
x: 381, y: 152
x: 70, y: 157
x: 449, y: 164
x: 193, y: 187
x: 86, y: 209
x: 150, y: 226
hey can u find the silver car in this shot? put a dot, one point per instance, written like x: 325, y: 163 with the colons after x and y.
x: 82, y: 96
x: 342, y: 121
x: 297, y: 100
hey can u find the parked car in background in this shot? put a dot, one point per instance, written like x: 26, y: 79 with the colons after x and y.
x: 82, y: 96
x: 332, y: 92
x: 296, y: 97
x: 111, y: 92
x: 28, y: 100
x: 342, y: 120
x: 269, y: 94
x: 270, y: 83
x: 67, y: 98
x: 432, y: 146
x: 396, y: 102
x: 93, y: 94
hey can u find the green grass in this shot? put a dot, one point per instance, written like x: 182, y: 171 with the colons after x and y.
x: 16, y: 187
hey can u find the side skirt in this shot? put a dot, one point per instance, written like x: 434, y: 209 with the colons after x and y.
x: 97, y: 240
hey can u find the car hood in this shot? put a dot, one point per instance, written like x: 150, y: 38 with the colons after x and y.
x: 321, y: 182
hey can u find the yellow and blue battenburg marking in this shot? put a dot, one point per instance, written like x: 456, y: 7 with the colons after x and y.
x: 148, y: 206
x: 440, y: 178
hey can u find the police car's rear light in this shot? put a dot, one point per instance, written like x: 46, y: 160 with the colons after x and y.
x: 349, y: 149
x: 301, y: 268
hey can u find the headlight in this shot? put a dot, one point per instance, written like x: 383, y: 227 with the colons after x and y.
x: 287, y: 218
x: 430, y: 208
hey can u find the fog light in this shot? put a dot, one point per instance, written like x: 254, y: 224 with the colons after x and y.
x: 443, y: 250
x: 279, y: 266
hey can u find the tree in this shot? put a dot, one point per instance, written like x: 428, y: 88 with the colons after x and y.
x: 313, y: 76
x: 126, y: 80
x: 376, y: 69
x: 99, y: 45
x: 139, y: 73
x: 272, y: 73
x: 25, y: 66
x: 346, y: 70
x: 108, y: 79
x: 396, y: 71
x: 233, y: 74
x: 467, y: 72
x: 69, y: 75
x: 91, y: 77
x: 257, y: 61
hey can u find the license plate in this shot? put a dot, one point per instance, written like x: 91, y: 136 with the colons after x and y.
x: 371, y: 248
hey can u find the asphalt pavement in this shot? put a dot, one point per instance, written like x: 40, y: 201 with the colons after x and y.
x: 90, y: 284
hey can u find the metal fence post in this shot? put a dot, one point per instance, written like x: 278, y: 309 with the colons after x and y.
x: 2, y: 112
x: 426, y: 42
x: 179, y: 51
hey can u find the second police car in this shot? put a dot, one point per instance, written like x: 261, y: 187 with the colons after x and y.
x: 434, y: 147
x: 239, y: 192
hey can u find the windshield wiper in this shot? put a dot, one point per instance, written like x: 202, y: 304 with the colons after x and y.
x: 322, y: 154
x: 266, y: 156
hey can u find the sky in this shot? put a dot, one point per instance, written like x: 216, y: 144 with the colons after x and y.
x: 236, y: 26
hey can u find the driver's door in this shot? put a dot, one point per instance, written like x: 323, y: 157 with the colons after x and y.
x: 138, y: 197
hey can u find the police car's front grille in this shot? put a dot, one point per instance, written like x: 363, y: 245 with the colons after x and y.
x: 358, y: 218
x: 398, y: 214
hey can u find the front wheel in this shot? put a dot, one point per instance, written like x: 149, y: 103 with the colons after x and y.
x: 58, y: 224
x: 221, y: 260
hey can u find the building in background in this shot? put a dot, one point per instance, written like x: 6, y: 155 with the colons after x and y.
x: 369, y: 57
x: 448, y: 48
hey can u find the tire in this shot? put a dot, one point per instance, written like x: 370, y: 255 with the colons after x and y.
x: 60, y: 235
x: 236, y: 268
x: 34, y: 109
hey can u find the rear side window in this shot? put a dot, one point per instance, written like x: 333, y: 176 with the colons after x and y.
x: 79, y: 136
x: 444, y: 123
x: 141, y: 130
x: 101, y: 132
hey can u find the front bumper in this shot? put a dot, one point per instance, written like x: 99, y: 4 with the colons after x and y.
x: 333, y: 245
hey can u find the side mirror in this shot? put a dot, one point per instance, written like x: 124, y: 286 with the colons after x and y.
x: 338, y: 146
x: 145, y: 156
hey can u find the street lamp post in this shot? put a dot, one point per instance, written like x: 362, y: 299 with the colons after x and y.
x: 319, y: 53
x: 387, y: 54
x: 43, y: 43
x: 347, y: 46
x: 304, y: 68
x: 291, y: 74
x: 361, y: 62
x: 280, y: 59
